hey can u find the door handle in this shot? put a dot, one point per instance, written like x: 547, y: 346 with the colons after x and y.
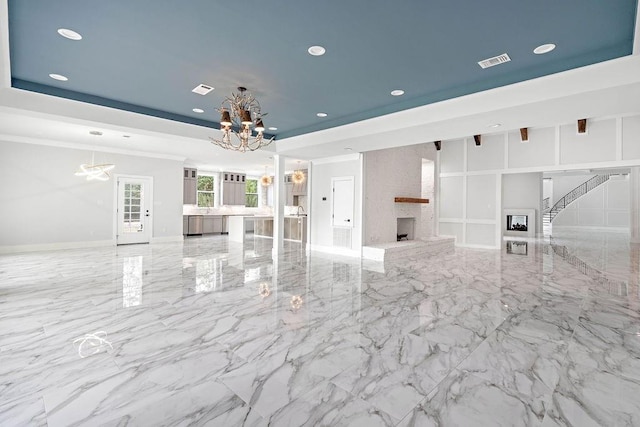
x: 147, y: 214
x: 348, y: 220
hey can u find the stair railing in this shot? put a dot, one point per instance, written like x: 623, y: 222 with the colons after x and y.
x: 577, y: 192
x: 545, y: 203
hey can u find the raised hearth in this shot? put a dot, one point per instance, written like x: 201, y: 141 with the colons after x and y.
x: 394, y: 250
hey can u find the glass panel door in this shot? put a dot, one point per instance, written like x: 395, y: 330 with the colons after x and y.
x: 132, y: 207
x: 133, y: 212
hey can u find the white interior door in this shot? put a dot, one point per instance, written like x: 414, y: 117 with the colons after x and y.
x: 343, y: 202
x: 133, y: 214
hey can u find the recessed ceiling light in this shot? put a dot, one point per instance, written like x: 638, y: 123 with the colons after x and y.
x: 495, y: 125
x: 59, y: 77
x: 397, y: 92
x: 348, y: 148
x: 69, y: 34
x: 95, y: 132
x: 198, y: 110
x: 322, y: 114
x: 273, y: 128
x: 316, y: 50
x: 126, y: 136
x: 545, y: 48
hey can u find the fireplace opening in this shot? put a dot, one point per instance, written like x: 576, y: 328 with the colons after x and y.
x: 517, y: 223
x: 405, y: 228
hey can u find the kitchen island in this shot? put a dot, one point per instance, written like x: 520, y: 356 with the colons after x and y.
x: 295, y: 227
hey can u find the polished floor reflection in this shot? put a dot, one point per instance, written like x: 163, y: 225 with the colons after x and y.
x: 544, y: 332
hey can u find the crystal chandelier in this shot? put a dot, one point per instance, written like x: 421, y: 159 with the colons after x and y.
x: 240, y: 116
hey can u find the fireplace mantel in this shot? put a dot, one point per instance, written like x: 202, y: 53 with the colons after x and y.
x: 410, y: 200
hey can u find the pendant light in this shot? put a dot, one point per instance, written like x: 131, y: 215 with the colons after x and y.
x: 265, y: 180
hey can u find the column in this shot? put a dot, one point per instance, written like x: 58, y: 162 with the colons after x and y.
x: 634, y: 206
x: 279, y: 197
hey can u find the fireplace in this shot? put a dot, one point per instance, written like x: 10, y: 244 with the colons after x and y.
x: 519, y: 222
x: 406, y: 228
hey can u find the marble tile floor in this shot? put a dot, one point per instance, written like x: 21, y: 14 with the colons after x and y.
x: 209, y: 332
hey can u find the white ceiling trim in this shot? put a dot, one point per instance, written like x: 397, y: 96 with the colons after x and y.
x: 84, y: 147
x: 39, y: 105
x: 336, y: 159
x: 610, y: 74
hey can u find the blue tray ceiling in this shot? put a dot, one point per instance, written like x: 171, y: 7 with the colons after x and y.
x: 145, y: 56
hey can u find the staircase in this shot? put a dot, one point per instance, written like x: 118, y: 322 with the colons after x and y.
x: 571, y: 196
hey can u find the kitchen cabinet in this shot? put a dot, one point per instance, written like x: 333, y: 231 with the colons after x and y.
x: 190, y: 186
x: 185, y: 225
x: 295, y: 228
x: 233, y: 188
x: 211, y: 224
x: 263, y: 226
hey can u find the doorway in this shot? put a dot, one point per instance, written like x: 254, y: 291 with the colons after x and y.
x: 342, y: 210
x: 343, y: 202
x: 133, y: 209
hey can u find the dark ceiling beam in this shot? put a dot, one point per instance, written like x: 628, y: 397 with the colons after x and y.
x: 582, y: 126
x: 524, y: 134
x: 477, y: 139
x: 438, y: 145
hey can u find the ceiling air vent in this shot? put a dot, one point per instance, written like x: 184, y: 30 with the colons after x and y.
x: 496, y: 60
x: 202, y: 89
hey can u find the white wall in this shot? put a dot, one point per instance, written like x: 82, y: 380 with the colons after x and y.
x: 537, y: 151
x: 322, y: 234
x: 391, y: 173
x: 470, y: 192
x: 470, y: 187
x: 523, y: 191
x: 547, y: 189
x: 43, y: 204
x: 606, y: 206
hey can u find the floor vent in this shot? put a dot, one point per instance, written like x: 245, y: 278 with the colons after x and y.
x: 496, y: 60
x: 342, y: 237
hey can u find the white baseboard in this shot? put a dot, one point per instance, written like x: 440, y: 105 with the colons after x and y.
x: 168, y: 239
x: 470, y: 246
x: 55, y: 246
x: 591, y: 228
x: 335, y: 250
x: 77, y: 245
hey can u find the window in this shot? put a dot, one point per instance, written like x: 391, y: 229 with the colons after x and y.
x: 252, y: 193
x: 205, y: 191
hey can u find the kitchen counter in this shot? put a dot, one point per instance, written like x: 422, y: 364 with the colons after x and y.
x: 211, y: 223
x: 295, y: 227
